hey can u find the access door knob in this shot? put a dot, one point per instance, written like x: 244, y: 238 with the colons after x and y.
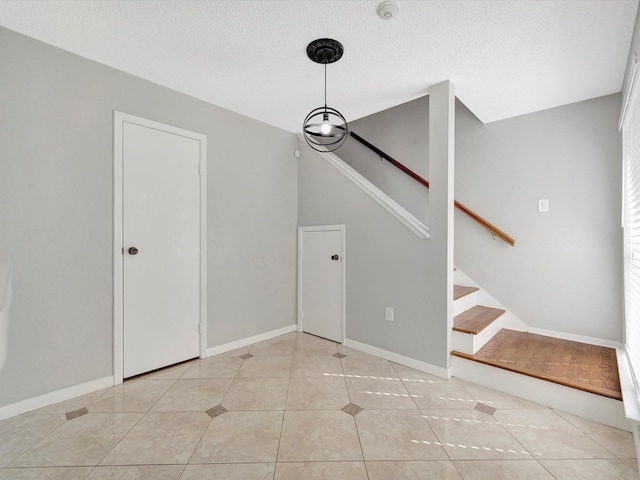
x: 335, y: 257
x: 133, y: 251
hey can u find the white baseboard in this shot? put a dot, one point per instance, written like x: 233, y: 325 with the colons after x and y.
x: 601, y: 342
x: 47, y: 399
x: 587, y: 405
x: 511, y: 322
x: 401, y: 359
x: 54, y: 397
x: 250, y: 340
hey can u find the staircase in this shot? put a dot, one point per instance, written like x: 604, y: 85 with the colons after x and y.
x: 482, y: 327
x: 473, y: 325
x: 563, y: 374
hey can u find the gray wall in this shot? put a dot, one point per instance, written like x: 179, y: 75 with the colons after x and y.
x: 403, y: 133
x: 565, y: 272
x: 56, y: 183
x: 386, y: 265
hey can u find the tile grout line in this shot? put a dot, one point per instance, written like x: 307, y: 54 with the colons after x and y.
x: 531, y: 453
x: 585, y: 433
x: 440, y: 442
x: 211, y: 418
x: 284, y: 407
x: 34, y: 412
x: 93, y: 469
x: 8, y: 465
x: 470, y: 464
x: 144, y: 414
x: 165, y: 392
x: 235, y: 377
x: 123, y: 436
x: 546, y: 469
x: 405, y: 387
x: 344, y: 379
x: 422, y: 414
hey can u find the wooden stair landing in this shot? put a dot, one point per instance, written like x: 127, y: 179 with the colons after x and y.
x: 476, y: 319
x: 577, y: 365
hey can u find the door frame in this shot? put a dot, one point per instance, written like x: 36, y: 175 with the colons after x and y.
x: 119, y: 119
x: 343, y: 310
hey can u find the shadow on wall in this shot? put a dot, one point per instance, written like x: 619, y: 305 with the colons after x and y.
x: 5, y: 304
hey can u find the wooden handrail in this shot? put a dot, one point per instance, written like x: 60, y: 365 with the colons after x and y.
x: 477, y: 218
x: 496, y: 232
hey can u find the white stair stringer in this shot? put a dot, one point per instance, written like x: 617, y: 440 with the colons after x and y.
x: 390, y: 205
x: 467, y: 342
x: 508, y: 319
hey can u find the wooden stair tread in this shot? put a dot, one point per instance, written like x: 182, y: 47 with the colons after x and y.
x: 589, y: 368
x: 460, y: 291
x: 476, y: 319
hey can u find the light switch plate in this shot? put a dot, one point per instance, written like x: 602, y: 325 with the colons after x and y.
x: 388, y: 314
x: 543, y: 205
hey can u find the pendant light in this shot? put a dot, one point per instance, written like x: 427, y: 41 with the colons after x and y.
x: 325, y: 129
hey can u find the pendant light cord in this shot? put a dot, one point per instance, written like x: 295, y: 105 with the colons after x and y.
x: 325, y: 85
x: 325, y: 129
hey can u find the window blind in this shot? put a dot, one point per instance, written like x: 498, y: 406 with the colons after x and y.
x: 631, y: 216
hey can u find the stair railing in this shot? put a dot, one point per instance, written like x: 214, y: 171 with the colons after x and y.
x: 495, y: 231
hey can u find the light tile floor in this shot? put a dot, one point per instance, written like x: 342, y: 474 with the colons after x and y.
x: 299, y: 407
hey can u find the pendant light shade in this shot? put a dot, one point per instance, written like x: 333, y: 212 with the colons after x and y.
x: 325, y: 129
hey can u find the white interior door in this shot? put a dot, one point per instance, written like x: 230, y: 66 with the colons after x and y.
x: 161, y: 254
x: 321, y: 288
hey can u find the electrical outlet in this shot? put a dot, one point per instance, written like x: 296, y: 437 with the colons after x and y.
x: 388, y: 314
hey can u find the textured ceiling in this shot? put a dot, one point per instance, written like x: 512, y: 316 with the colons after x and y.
x: 506, y: 58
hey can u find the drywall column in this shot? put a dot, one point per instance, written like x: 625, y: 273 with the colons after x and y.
x: 441, y: 170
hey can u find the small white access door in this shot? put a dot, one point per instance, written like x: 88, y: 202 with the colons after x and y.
x: 321, y: 287
x: 161, y: 244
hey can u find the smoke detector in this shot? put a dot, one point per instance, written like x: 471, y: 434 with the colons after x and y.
x: 387, y: 10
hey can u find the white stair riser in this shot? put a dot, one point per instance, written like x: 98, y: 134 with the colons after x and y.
x: 469, y: 343
x: 465, y: 303
x: 462, y: 342
x: 482, y: 338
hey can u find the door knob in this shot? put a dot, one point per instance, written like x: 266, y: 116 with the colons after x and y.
x: 133, y: 251
x: 335, y: 257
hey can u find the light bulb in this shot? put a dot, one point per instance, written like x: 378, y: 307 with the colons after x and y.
x: 325, y: 128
